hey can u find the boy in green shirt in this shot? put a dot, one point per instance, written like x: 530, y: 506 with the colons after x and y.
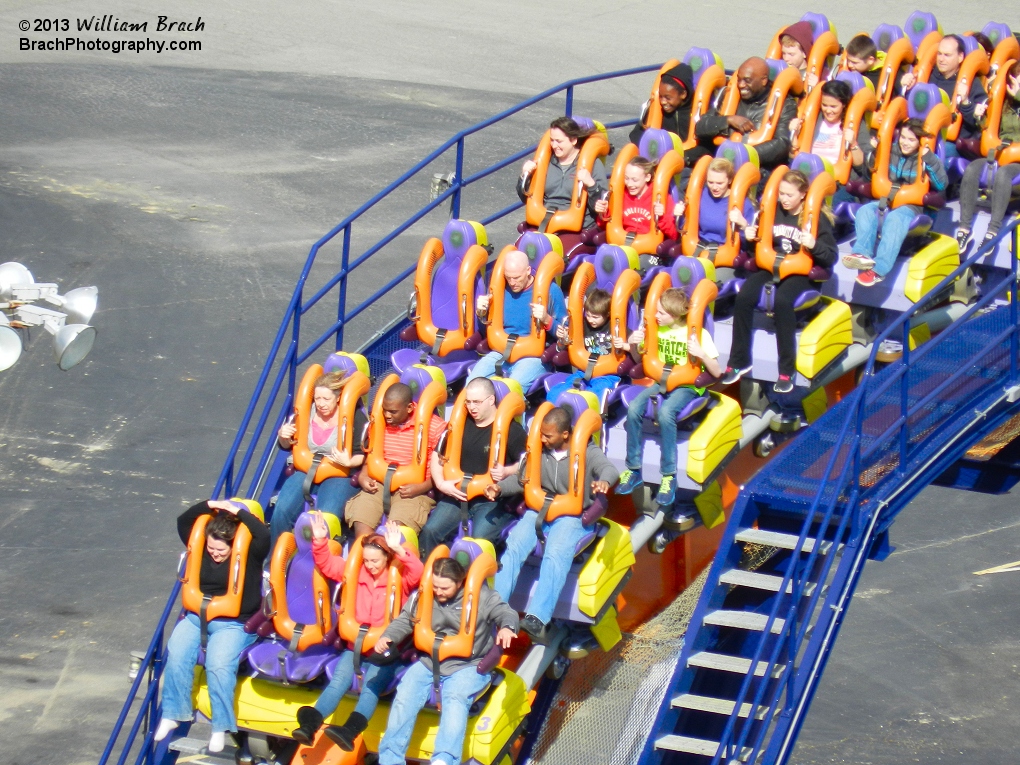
x: 674, y: 347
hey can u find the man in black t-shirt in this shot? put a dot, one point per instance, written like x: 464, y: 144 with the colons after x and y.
x: 488, y: 517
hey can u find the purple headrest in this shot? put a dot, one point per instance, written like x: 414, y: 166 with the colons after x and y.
x: 686, y: 273
x: 338, y: 362
x: 776, y: 65
x: 699, y: 59
x: 885, y: 35
x: 969, y: 44
x: 996, y: 32
x: 855, y: 80
x: 535, y: 245
x: 585, y: 123
x: 300, y: 593
x: 919, y: 25
x: 573, y: 402
x: 921, y: 98
x: 609, y: 261
x: 458, y: 237
x: 416, y: 378
x: 655, y: 143
x: 809, y: 164
x: 465, y: 551
x: 501, y: 390
x: 819, y: 23
x: 736, y: 153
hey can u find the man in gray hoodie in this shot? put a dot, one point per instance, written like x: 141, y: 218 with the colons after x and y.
x: 459, y: 678
x: 562, y: 534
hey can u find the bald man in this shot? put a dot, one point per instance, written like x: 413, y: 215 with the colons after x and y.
x: 754, y: 85
x: 519, y: 311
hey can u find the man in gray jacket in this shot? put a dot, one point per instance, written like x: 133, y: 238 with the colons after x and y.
x: 458, y: 677
x: 562, y: 534
x: 755, y: 86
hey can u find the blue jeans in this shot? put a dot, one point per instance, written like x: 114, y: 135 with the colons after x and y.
x: 525, y: 371
x: 330, y: 496
x: 227, y: 639
x: 375, y: 681
x: 668, y: 410
x: 412, y: 693
x: 487, y: 521
x: 597, y: 385
x: 894, y: 231
x: 561, y: 537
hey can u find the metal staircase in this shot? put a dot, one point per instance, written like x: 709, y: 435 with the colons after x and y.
x: 824, y: 506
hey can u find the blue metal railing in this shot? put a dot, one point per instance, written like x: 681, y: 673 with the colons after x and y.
x: 853, y: 510
x: 286, y: 355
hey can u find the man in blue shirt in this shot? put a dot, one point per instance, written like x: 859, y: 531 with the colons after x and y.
x: 519, y: 310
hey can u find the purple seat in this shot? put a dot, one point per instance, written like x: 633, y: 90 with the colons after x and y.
x: 699, y: 60
x: 997, y: 32
x: 855, y: 80
x: 776, y: 65
x: 630, y: 392
x: 340, y: 362
x: 272, y: 659
x: 656, y: 143
x: 919, y: 25
x: 885, y: 35
x: 455, y: 364
x: 819, y: 23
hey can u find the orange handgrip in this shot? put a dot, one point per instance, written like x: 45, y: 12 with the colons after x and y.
x: 533, y: 344
x: 348, y: 624
x: 358, y: 385
x: 976, y: 64
x: 789, y: 81
x: 283, y: 624
x: 572, y: 503
x: 990, y: 140
x: 471, y: 267
x: 712, y: 79
x: 653, y: 118
x: 881, y: 185
x: 228, y: 605
x: 822, y: 187
x: 571, y: 219
x: 671, y: 163
x: 900, y: 52
x: 462, y: 644
x: 926, y: 52
x: 1008, y: 48
x: 430, y: 399
x: 510, y: 408
x: 823, y: 48
x: 690, y: 233
x: 682, y: 374
x: 626, y: 285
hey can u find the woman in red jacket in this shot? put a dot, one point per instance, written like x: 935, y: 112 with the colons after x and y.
x: 378, y: 552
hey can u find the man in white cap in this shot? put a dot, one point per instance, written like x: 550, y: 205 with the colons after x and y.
x: 519, y: 310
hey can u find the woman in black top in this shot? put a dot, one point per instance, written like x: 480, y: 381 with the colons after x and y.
x: 226, y: 636
x: 790, y: 235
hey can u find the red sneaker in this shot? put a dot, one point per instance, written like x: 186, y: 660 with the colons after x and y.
x: 868, y: 278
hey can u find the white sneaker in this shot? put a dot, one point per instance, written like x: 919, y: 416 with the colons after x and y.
x: 216, y: 741
x: 858, y: 262
x: 164, y: 728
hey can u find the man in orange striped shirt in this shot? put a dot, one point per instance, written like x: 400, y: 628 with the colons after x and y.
x: 410, y: 505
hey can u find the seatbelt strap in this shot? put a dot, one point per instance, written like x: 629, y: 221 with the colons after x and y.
x: 770, y: 299
x: 309, y: 482
x: 387, y: 495
x: 667, y: 370
x: 628, y: 240
x: 545, y: 221
x: 464, y: 510
x: 359, y: 641
x: 511, y: 341
x: 203, y: 620
x: 546, y: 504
x: 707, y: 250
x: 440, y: 336
x: 590, y: 369
x: 295, y: 637
x: 436, y: 677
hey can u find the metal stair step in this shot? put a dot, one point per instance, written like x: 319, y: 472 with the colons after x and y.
x: 718, y: 706
x: 736, y: 664
x: 779, y: 539
x: 744, y: 620
x: 695, y: 746
x: 770, y: 582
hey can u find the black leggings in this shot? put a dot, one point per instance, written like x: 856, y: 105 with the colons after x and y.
x: 1002, y: 188
x: 786, y: 293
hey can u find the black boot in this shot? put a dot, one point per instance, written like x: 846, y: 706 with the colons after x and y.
x: 344, y: 735
x: 309, y: 722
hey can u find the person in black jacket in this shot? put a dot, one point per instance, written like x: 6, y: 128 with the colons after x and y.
x: 790, y: 233
x: 754, y: 85
x: 226, y: 636
x: 676, y: 91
